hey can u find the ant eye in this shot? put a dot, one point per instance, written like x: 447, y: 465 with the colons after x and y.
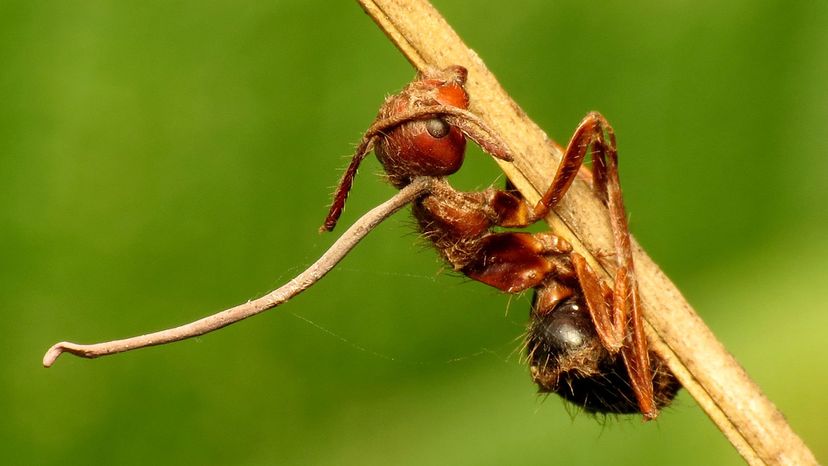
x: 437, y: 128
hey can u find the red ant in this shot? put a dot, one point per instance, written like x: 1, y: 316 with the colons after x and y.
x: 586, y: 340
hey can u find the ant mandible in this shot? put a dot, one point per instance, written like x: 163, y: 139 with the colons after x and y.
x: 586, y: 340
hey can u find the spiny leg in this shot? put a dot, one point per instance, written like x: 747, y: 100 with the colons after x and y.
x: 610, y: 319
x: 611, y: 322
x: 589, y: 133
x: 635, y: 353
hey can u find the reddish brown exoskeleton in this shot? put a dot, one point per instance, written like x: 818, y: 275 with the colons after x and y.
x: 586, y: 340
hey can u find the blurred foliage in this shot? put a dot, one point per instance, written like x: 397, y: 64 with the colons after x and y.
x: 163, y: 160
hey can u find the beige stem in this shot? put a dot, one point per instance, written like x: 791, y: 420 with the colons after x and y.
x: 298, y: 284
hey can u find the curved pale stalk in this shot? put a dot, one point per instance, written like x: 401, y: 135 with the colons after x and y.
x: 298, y: 284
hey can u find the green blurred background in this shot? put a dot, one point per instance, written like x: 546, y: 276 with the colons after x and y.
x: 163, y: 160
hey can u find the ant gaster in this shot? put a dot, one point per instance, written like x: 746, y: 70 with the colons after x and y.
x: 585, y: 340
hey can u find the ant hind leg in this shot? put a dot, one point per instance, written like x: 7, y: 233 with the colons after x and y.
x: 620, y: 326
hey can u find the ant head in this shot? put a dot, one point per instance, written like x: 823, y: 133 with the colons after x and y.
x: 423, y: 144
x: 421, y: 131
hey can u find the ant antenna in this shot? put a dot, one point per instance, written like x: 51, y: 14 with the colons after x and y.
x: 344, y: 187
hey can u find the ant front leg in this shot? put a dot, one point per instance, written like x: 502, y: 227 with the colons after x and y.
x: 619, y: 325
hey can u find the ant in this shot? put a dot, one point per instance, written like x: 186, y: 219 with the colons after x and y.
x: 585, y: 339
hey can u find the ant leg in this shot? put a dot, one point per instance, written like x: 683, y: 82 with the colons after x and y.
x: 549, y: 295
x: 510, y: 208
x: 637, y: 358
x: 635, y: 352
x: 513, y: 262
x: 590, y: 132
x: 611, y: 327
x: 611, y: 323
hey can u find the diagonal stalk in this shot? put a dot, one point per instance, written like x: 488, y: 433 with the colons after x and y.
x: 730, y: 398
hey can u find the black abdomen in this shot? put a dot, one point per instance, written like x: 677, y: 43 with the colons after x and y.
x: 566, y: 357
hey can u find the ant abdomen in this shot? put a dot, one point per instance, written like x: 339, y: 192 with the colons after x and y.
x: 566, y: 357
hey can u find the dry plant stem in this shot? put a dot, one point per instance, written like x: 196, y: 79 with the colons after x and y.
x: 734, y: 402
x: 301, y: 282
